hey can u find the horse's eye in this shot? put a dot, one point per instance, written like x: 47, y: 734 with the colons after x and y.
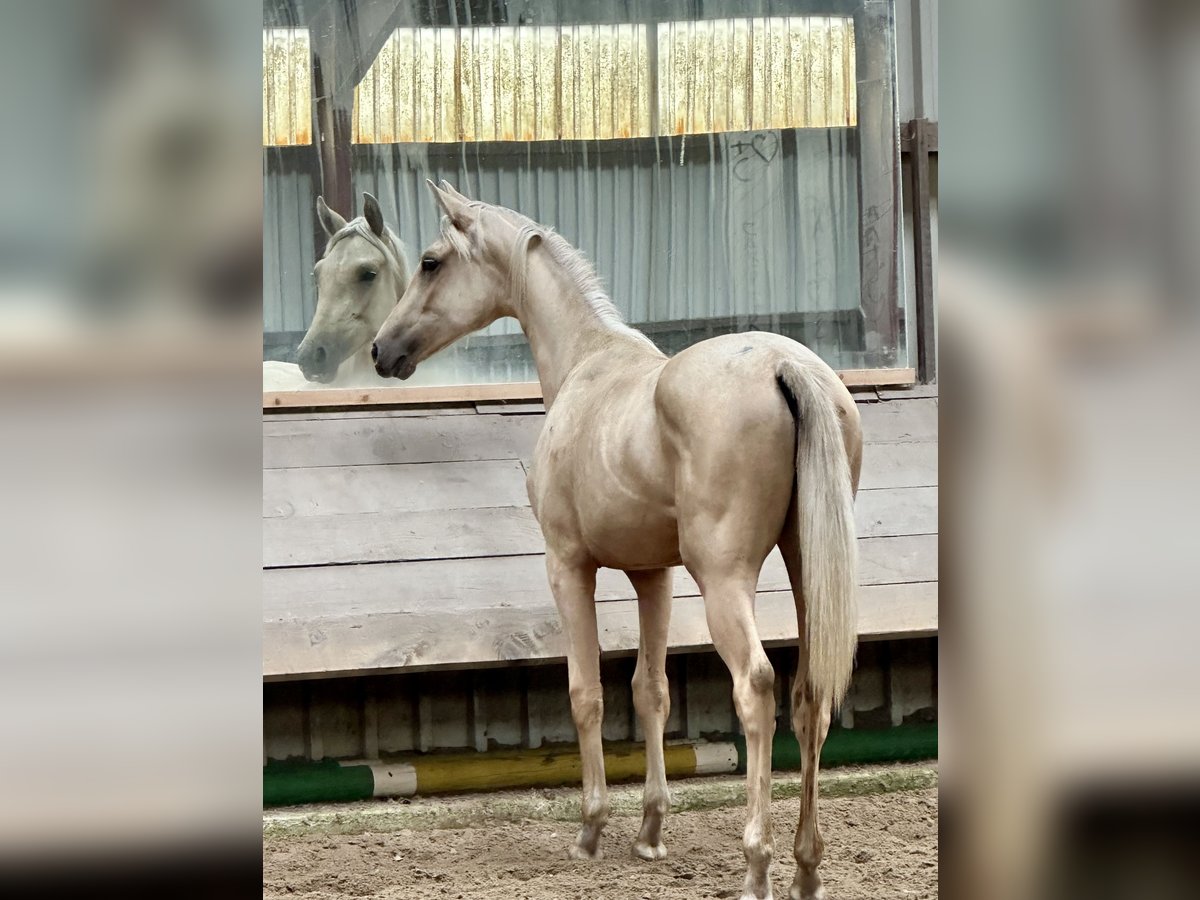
x: 428, y: 264
x: 367, y: 275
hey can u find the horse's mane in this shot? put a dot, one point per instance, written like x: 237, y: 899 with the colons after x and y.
x: 390, y: 245
x: 574, y: 264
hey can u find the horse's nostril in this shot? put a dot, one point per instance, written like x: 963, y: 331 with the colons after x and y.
x: 374, y: 352
x: 319, y: 355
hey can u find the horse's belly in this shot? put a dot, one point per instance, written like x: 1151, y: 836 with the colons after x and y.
x: 631, y: 535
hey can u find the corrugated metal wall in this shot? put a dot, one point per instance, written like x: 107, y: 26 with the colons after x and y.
x: 744, y: 226
x: 695, y: 235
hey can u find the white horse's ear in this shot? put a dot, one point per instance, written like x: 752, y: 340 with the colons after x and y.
x: 455, y: 207
x: 330, y: 221
x: 372, y: 214
x: 453, y: 191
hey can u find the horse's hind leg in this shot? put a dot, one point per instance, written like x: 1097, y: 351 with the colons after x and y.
x: 810, y: 721
x: 574, y: 589
x: 729, y: 608
x: 652, y: 700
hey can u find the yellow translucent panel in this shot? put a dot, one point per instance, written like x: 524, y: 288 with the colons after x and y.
x: 287, y: 87
x: 593, y: 82
x: 506, y: 83
x: 747, y: 74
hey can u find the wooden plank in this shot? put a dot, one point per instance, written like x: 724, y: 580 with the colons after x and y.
x: 897, y: 511
x: 400, y: 536
x: 876, y: 377
x: 897, y: 465
x: 284, y: 721
x: 336, y: 398
x: 339, y: 490
x: 908, y: 420
x: 335, y: 727
x: 398, y: 721
x: 549, y: 709
x: 911, y: 681
x: 498, y: 714
x: 408, y: 412
x: 519, y: 582
x: 434, y: 439
x: 356, y: 442
x: 530, y: 391
x: 512, y: 408
x: 440, y: 638
x: 710, y: 696
x: 915, y: 392
x: 290, y: 443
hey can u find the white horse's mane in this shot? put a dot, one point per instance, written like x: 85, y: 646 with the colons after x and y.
x: 574, y: 264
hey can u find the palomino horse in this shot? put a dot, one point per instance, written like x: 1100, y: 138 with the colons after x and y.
x: 359, y: 280
x: 710, y: 459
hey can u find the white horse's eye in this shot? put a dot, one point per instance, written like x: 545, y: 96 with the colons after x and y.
x: 428, y: 264
x: 367, y: 275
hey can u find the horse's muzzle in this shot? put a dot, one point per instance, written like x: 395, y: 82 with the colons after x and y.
x: 314, y: 362
x: 389, y: 365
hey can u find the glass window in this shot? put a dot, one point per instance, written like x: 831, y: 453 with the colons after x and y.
x: 728, y: 171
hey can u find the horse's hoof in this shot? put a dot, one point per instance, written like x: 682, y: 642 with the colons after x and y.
x: 578, y: 852
x: 814, y: 892
x: 650, y: 851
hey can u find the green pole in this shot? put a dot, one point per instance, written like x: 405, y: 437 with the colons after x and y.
x: 848, y: 747
x: 285, y: 784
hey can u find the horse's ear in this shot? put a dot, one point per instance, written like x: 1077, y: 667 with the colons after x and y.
x: 330, y: 221
x: 453, y: 191
x: 372, y: 214
x: 454, y: 205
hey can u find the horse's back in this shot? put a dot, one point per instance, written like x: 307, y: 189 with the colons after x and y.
x: 728, y: 423
x: 735, y: 376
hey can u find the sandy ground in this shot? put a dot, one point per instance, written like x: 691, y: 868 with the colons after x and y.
x: 878, y: 847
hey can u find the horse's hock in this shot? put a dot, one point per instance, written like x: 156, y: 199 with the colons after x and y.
x: 406, y: 606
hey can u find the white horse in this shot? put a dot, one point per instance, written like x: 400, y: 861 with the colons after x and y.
x: 359, y: 279
x: 710, y: 459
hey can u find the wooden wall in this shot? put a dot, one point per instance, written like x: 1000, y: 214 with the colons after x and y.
x: 403, y: 541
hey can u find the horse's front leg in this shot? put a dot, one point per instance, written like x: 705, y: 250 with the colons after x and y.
x: 574, y: 587
x: 651, y: 698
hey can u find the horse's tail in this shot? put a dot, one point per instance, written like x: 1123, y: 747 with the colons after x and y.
x: 824, y: 506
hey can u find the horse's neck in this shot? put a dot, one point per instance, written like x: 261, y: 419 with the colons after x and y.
x: 560, y: 325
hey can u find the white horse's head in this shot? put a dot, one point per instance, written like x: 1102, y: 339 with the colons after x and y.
x: 358, y: 281
x: 462, y: 284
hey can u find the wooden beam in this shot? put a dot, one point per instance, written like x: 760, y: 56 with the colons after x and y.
x: 342, y: 398
x: 923, y: 253
x: 399, y: 396
x: 877, y: 377
x: 878, y: 182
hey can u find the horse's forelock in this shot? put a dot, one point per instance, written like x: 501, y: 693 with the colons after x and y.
x: 359, y: 227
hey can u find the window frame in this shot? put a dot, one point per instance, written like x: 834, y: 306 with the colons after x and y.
x: 877, y: 70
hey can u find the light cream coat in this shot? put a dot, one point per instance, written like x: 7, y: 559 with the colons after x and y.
x: 708, y: 459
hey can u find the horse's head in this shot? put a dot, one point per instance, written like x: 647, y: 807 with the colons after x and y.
x: 462, y: 284
x: 358, y: 280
